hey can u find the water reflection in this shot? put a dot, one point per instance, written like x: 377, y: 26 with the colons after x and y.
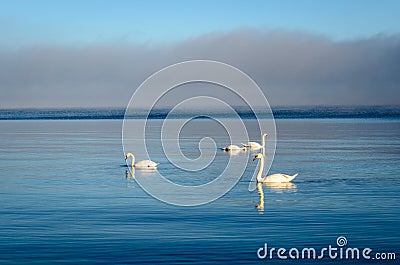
x: 260, y: 205
x: 130, y: 175
x: 278, y: 187
x: 130, y: 178
x: 281, y: 187
x: 142, y: 172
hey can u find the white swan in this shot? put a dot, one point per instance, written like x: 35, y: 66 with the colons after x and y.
x: 255, y: 145
x: 141, y: 164
x: 233, y: 147
x: 235, y: 152
x: 271, y: 178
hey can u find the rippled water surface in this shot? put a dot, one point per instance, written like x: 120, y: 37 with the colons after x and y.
x: 66, y: 195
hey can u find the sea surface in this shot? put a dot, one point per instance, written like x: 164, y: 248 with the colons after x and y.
x: 68, y: 197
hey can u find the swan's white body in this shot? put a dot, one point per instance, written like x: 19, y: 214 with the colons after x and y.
x: 233, y: 147
x: 253, y: 145
x: 235, y: 152
x: 256, y: 146
x: 141, y: 164
x: 278, y: 178
x: 271, y: 178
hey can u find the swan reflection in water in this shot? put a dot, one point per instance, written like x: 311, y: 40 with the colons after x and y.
x: 260, y: 205
x: 142, y: 172
x: 278, y: 187
x: 130, y: 175
x: 281, y: 187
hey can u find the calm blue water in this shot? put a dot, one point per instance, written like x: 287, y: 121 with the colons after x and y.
x: 66, y: 198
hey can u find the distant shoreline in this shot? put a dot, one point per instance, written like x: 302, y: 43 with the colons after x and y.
x: 302, y: 112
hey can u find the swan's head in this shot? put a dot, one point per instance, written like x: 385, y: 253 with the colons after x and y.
x: 265, y: 135
x: 258, y: 156
x: 128, y: 155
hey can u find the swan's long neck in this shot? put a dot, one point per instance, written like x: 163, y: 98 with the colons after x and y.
x: 263, y: 147
x: 263, y: 141
x: 133, y: 160
x: 260, y: 170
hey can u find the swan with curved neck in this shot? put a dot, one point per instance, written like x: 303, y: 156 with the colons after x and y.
x: 141, y: 164
x: 255, y: 145
x: 271, y: 178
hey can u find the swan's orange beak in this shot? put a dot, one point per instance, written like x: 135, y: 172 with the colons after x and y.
x: 254, y: 158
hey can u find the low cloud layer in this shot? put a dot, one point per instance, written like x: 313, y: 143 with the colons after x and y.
x: 292, y: 68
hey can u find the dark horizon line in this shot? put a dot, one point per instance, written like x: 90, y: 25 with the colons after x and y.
x: 199, y: 107
x: 309, y: 112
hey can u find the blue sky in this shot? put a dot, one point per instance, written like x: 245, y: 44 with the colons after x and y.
x: 73, y: 22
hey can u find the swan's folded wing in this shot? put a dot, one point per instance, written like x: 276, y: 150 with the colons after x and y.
x: 146, y: 163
